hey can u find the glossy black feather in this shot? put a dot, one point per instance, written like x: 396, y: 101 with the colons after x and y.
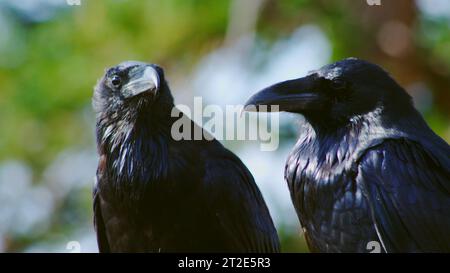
x: 366, y: 167
x: 155, y: 194
x: 410, y: 196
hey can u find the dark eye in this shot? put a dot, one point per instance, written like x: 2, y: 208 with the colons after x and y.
x: 338, y: 84
x: 116, y: 81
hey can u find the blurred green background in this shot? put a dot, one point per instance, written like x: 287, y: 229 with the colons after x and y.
x: 52, y: 53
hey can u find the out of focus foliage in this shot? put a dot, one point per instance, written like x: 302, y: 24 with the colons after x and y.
x: 50, y: 69
x: 52, y: 54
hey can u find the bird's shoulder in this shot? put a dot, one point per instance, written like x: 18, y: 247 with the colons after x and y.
x: 408, y: 189
x: 403, y: 158
x: 221, y: 162
x: 233, y: 196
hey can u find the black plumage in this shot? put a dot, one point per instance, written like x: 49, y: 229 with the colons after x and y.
x: 366, y: 166
x: 156, y: 194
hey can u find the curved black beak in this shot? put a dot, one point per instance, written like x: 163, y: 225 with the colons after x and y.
x: 290, y: 96
x: 142, y: 78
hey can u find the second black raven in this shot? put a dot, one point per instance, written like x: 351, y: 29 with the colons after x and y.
x: 155, y: 194
x: 366, y: 166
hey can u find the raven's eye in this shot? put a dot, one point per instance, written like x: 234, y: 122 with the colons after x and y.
x: 338, y: 84
x: 116, y: 81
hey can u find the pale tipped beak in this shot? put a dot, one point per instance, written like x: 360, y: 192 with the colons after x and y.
x: 142, y: 79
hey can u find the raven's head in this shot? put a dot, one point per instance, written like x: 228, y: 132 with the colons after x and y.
x: 336, y: 93
x: 130, y: 88
x: 132, y: 102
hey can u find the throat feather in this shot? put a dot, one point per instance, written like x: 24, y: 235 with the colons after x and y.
x: 136, y: 155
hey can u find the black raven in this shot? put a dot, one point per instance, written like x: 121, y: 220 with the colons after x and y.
x: 366, y: 166
x: 155, y: 194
